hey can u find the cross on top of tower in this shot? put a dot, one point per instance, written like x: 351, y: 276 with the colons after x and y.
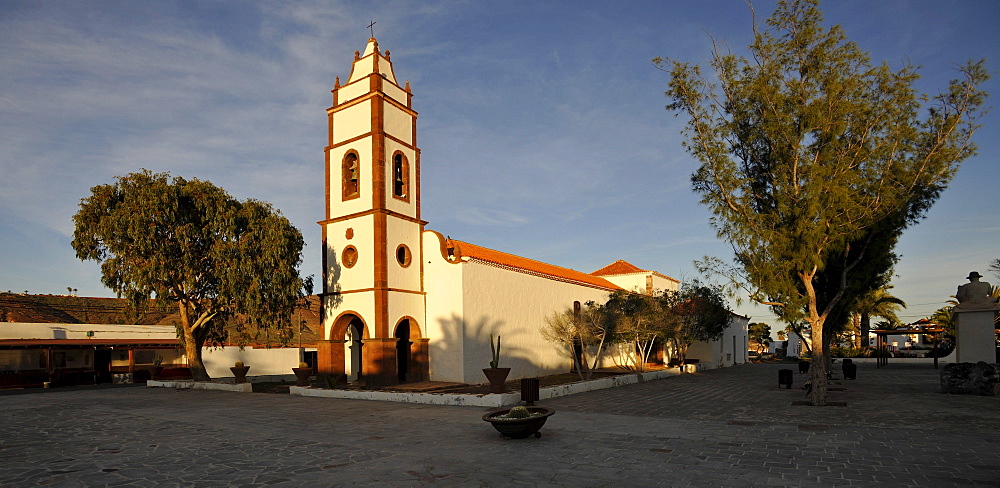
x: 371, y: 29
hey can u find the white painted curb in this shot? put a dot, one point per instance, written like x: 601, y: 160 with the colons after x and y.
x: 488, y: 400
x: 200, y: 385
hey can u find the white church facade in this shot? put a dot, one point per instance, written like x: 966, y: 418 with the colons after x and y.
x: 402, y: 303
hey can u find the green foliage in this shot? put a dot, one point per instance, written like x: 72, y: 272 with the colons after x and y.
x: 759, y: 334
x: 583, y: 336
x: 495, y: 363
x: 814, y: 160
x: 221, y: 260
x: 852, y: 352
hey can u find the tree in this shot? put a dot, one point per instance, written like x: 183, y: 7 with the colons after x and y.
x: 700, y: 314
x: 995, y: 267
x: 581, y: 334
x: 878, y: 303
x: 760, y: 335
x: 639, y: 322
x: 812, y: 158
x: 222, y: 260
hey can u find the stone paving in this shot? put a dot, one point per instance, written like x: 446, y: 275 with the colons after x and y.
x: 728, y: 427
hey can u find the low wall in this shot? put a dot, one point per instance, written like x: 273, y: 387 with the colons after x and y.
x: 263, y: 362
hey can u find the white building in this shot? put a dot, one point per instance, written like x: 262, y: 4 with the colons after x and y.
x: 402, y: 303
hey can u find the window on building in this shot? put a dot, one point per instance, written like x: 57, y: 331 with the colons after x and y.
x: 349, y: 256
x: 400, y: 176
x: 403, y: 256
x: 351, y: 171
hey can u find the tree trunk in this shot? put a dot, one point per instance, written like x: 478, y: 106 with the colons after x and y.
x: 819, y: 368
x: 192, y: 348
x: 864, y: 329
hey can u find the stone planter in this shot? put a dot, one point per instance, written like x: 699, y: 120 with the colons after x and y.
x: 497, y: 377
x: 155, y: 372
x: 302, y: 376
x: 519, y: 428
x: 240, y: 373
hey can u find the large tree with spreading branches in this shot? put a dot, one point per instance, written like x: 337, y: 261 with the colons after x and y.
x: 814, y: 160
x: 223, y: 261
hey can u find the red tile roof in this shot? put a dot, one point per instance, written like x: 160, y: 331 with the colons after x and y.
x: 622, y: 267
x: 511, y: 262
x: 618, y: 268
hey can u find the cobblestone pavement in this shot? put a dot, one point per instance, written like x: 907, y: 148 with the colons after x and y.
x: 729, y: 427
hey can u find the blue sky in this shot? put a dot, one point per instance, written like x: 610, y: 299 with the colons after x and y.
x: 542, y: 124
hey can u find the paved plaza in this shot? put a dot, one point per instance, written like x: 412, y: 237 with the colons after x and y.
x: 728, y: 427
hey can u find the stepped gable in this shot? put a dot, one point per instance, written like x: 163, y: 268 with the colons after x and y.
x: 511, y: 262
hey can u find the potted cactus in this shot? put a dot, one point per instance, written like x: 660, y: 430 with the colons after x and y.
x: 519, y: 422
x: 302, y: 374
x: 157, y: 369
x: 240, y: 372
x: 496, y: 374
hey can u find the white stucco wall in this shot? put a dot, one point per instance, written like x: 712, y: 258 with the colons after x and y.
x: 360, y: 275
x: 632, y: 282
x: 444, y: 327
x: 363, y: 148
x: 352, y: 121
x: 661, y: 283
x: 726, y: 351
x: 262, y: 362
x: 351, y: 91
x: 637, y: 282
x: 514, y: 305
x: 398, y: 123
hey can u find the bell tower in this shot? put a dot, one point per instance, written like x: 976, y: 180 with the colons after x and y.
x: 373, y: 296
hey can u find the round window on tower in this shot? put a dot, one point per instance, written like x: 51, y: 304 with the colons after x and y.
x: 403, y: 255
x: 349, y: 257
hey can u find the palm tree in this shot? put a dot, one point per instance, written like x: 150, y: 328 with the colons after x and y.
x: 878, y: 303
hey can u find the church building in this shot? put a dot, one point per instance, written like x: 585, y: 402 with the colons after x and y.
x: 402, y: 303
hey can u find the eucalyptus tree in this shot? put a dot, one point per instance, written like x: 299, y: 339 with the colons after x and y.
x: 188, y: 241
x: 811, y: 153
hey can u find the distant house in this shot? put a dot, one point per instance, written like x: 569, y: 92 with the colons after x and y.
x: 69, y: 340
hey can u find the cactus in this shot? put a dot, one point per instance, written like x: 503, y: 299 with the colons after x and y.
x: 239, y: 364
x: 518, y: 413
x: 495, y: 363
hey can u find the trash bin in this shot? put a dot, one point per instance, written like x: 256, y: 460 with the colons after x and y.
x: 529, y: 390
x: 850, y: 370
x: 785, y: 378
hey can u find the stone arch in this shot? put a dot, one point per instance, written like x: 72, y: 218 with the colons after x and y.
x: 339, y: 330
x: 411, y: 351
x: 350, y: 332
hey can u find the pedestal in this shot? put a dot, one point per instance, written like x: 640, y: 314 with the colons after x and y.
x: 975, y: 335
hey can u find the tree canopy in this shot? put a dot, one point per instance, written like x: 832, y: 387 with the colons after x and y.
x: 814, y: 160
x: 188, y: 241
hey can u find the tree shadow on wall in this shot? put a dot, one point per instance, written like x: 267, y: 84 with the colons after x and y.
x: 475, y: 353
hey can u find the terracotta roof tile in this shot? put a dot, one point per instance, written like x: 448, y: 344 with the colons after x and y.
x: 622, y: 267
x: 619, y: 267
x: 517, y: 263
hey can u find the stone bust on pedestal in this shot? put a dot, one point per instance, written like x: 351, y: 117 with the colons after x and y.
x: 975, y: 294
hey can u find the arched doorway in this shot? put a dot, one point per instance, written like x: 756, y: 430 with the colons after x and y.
x: 353, y: 350
x: 403, y: 352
